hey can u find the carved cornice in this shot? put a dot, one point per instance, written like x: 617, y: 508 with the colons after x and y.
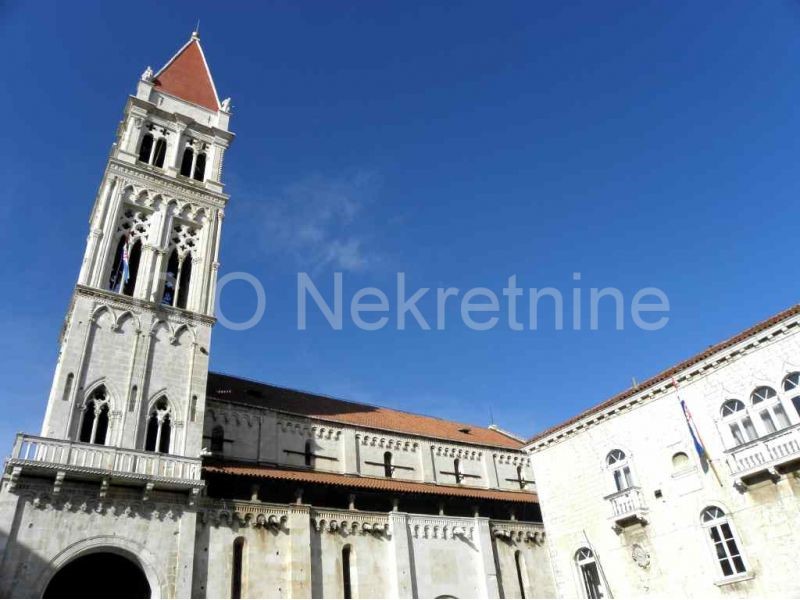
x: 162, y: 183
x: 306, y: 429
x: 465, y: 453
x: 161, y: 311
x: 442, y: 528
x: 392, y: 443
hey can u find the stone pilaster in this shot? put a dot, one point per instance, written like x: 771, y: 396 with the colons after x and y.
x: 300, y: 553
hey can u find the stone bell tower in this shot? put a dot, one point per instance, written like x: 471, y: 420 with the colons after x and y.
x: 134, y: 350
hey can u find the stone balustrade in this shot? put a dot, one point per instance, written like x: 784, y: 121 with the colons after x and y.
x: 43, y: 455
x: 766, y: 457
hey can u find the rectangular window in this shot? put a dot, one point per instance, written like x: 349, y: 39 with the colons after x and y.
x: 591, y: 580
x: 781, y: 416
x: 726, y: 549
x: 769, y: 424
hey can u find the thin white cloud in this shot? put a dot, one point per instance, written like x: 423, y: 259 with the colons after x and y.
x: 321, y: 221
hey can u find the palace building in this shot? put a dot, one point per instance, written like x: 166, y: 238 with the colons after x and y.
x: 153, y: 477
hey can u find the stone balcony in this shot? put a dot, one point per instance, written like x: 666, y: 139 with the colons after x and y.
x: 627, y: 508
x: 78, y: 461
x: 767, y: 458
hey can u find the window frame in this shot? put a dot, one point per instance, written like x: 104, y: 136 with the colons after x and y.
x: 715, y: 523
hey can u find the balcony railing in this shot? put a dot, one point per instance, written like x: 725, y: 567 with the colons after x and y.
x: 627, y: 508
x: 767, y: 457
x: 81, y: 460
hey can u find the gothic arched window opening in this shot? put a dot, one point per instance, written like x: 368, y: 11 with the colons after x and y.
x: 457, y: 470
x: 186, y: 162
x: 388, y: 469
x: 184, y: 277
x: 238, y: 567
x: 177, y: 280
x: 200, y: 167
x: 159, y: 428
x: 160, y: 152
x: 133, y: 268
x: 94, y: 425
x: 217, y: 439
x: 146, y: 147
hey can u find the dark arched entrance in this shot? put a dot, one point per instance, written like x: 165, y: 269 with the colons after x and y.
x: 99, y: 575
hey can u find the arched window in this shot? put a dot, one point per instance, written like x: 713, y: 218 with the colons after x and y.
x: 680, y: 462
x: 94, y: 424
x: 186, y: 162
x: 347, y: 571
x: 237, y: 567
x: 388, y: 469
x: 68, y: 387
x: 160, y: 152
x: 520, y: 477
x: 193, y: 409
x: 159, y: 428
x: 770, y: 410
x: 200, y: 167
x: 738, y: 420
x: 146, y: 147
x: 791, y: 383
x: 308, y: 454
x: 177, y: 279
x: 589, y: 573
x: 522, y: 575
x: 218, y: 439
x: 617, y: 462
x: 724, y: 543
x: 183, y: 281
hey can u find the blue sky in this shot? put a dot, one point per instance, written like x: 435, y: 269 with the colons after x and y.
x: 638, y: 143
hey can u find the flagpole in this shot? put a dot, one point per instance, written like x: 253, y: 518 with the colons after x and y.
x: 599, y: 564
x: 696, y: 432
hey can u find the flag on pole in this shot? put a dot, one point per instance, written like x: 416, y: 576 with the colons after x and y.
x: 126, y: 273
x: 705, y: 460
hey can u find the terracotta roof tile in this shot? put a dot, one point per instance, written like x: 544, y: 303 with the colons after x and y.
x: 373, y: 483
x: 225, y: 387
x: 187, y: 76
x: 675, y: 370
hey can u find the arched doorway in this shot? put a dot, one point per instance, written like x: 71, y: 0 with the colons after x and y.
x: 99, y: 575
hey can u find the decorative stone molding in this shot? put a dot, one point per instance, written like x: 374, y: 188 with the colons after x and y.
x: 246, y: 514
x: 441, y: 528
x: 309, y: 429
x: 458, y: 452
x: 390, y: 443
x: 515, y: 531
x: 513, y: 459
x: 351, y: 523
x: 142, y: 179
x: 107, y: 505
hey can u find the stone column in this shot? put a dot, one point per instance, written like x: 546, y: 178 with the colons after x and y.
x: 486, y: 558
x: 403, y: 581
x: 300, y: 551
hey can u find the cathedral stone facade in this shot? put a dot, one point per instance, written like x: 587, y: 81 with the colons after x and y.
x: 153, y: 477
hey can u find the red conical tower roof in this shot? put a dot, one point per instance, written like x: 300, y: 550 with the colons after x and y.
x: 187, y: 76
